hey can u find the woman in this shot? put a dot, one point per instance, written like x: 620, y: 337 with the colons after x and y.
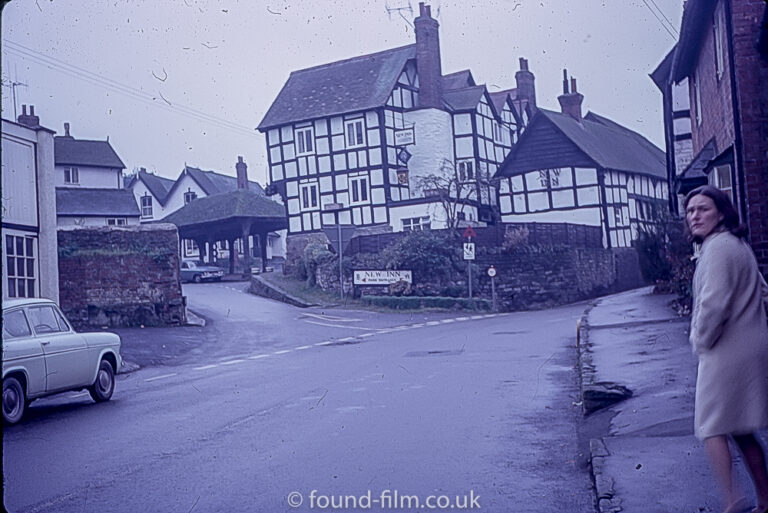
x: 729, y: 333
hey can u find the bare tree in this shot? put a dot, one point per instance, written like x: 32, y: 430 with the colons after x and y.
x: 454, y: 188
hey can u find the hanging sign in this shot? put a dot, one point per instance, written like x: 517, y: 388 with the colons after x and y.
x: 405, y: 136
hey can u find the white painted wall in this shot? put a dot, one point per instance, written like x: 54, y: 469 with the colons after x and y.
x: 434, y: 143
x: 92, y: 221
x: 92, y: 177
x: 587, y: 216
x: 158, y: 211
x: 29, y: 199
x: 176, y: 200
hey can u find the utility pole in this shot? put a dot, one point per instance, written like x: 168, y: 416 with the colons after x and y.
x: 13, y: 95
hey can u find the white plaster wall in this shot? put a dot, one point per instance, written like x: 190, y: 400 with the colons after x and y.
x: 683, y: 155
x: 176, y: 201
x: 18, y: 175
x: 158, y: 211
x: 434, y: 210
x: 434, y: 142
x: 587, y: 216
x: 92, y: 177
x: 92, y: 221
x: 680, y: 96
x: 49, y: 243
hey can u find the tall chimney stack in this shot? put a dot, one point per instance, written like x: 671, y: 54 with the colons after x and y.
x: 66, y: 130
x: 242, y: 173
x: 428, y: 59
x: 570, y: 101
x: 30, y: 119
x: 526, y: 87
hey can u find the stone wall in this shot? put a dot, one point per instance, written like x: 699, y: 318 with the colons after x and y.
x: 116, y: 277
x: 294, y: 248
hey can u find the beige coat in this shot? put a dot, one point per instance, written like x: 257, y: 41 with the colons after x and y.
x: 729, y: 333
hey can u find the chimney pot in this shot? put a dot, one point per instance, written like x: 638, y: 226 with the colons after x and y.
x: 242, y: 173
x: 565, y: 81
x: 31, y: 110
x: 573, y: 85
x: 23, y: 110
x: 30, y: 119
x: 66, y: 129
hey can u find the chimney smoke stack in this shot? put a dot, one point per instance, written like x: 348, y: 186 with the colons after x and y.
x: 570, y: 102
x: 428, y: 59
x: 242, y: 173
x: 30, y: 119
x: 66, y: 130
x: 526, y: 85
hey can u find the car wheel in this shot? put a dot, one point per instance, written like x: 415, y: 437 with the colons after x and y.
x: 196, y: 278
x: 102, y: 388
x: 13, y: 400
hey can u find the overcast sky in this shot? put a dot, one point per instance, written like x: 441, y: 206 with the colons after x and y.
x: 187, y: 81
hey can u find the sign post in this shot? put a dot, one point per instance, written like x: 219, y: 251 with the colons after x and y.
x: 492, y: 274
x: 339, y: 237
x: 469, y: 255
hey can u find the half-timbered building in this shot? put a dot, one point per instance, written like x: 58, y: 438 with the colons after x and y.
x: 384, y: 141
x: 584, y: 170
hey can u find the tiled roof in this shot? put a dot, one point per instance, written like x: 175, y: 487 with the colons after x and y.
x: 157, y: 185
x: 77, y: 201
x: 239, y: 203
x: 463, y: 99
x: 500, y: 97
x: 458, y: 80
x: 78, y: 152
x: 216, y: 183
x: 356, y: 84
x: 605, y: 142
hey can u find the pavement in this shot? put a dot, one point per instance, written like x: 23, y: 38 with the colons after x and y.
x: 643, y: 452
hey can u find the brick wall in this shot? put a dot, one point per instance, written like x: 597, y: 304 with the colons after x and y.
x: 120, y: 276
x: 752, y: 82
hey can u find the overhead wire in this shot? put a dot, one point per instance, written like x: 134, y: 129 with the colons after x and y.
x: 158, y: 100
x: 661, y: 22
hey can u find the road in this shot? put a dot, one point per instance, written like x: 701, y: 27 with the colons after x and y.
x: 276, y: 401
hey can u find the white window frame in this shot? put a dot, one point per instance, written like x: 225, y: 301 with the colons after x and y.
x: 146, y: 209
x: 189, y: 197
x: 72, y: 175
x: 117, y: 221
x: 25, y: 258
x: 190, y: 247
x: 720, y: 41
x: 360, y: 187
x: 304, y: 141
x: 356, y: 129
x: 716, y: 179
x: 309, y: 196
x: 413, y: 224
x: 697, y: 99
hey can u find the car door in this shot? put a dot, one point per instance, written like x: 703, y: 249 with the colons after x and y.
x: 67, y: 362
x: 23, y: 351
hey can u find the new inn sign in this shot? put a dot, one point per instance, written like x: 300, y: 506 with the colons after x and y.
x: 381, y: 277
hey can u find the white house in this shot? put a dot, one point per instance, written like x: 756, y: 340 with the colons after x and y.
x: 584, y: 170
x: 30, y: 267
x: 377, y: 140
x: 89, y: 184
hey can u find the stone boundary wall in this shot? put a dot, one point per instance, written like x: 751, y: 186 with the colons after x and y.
x: 117, y: 277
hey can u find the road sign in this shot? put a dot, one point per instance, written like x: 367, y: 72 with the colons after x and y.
x: 332, y: 232
x: 469, y: 251
x: 371, y: 277
x: 491, y: 271
x: 469, y: 232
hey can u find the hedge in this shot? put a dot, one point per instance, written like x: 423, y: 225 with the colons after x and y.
x: 416, y: 302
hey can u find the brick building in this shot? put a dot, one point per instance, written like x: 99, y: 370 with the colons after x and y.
x: 723, y: 54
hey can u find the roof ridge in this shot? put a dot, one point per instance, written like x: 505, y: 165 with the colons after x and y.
x: 351, y: 59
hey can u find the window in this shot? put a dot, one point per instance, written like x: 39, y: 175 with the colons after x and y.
x: 146, y: 206
x: 116, y: 221
x: 697, y: 98
x: 71, y: 175
x: 413, y: 224
x: 354, y: 131
x: 20, y: 266
x: 44, y: 320
x: 190, y: 247
x: 304, y: 141
x: 497, y: 132
x: 720, y: 42
x: 15, y: 325
x: 189, y: 196
x: 309, y: 196
x: 720, y: 177
x: 466, y: 170
x: 359, y: 190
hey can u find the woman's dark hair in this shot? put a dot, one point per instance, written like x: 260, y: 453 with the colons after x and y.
x: 723, y: 204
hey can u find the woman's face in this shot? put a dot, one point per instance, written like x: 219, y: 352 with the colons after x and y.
x: 702, y: 216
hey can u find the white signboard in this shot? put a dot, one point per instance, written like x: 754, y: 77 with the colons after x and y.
x: 381, y: 277
x: 405, y: 137
x: 469, y: 251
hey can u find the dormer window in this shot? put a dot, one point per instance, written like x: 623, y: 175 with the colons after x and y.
x: 146, y: 206
x: 71, y: 175
x: 189, y: 196
x: 305, y: 143
x: 355, y: 134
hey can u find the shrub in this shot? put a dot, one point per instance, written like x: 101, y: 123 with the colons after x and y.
x: 315, y: 254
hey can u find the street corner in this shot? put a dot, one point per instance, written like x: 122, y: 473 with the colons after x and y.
x: 129, y: 367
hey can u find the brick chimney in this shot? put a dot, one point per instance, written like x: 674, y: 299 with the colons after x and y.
x: 30, y: 119
x: 66, y: 130
x: 242, y: 173
x: 570, y: 101
x: 428, y: 59
x: 526, y: 88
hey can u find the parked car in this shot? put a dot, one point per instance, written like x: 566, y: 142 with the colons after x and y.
x: 197, y: 272
x: 43, y: 355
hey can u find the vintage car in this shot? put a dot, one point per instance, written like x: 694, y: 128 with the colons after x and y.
x: 43, y: 355
x: 197, y: 272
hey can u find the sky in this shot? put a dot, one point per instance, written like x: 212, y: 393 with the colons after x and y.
x: 175, y: 82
